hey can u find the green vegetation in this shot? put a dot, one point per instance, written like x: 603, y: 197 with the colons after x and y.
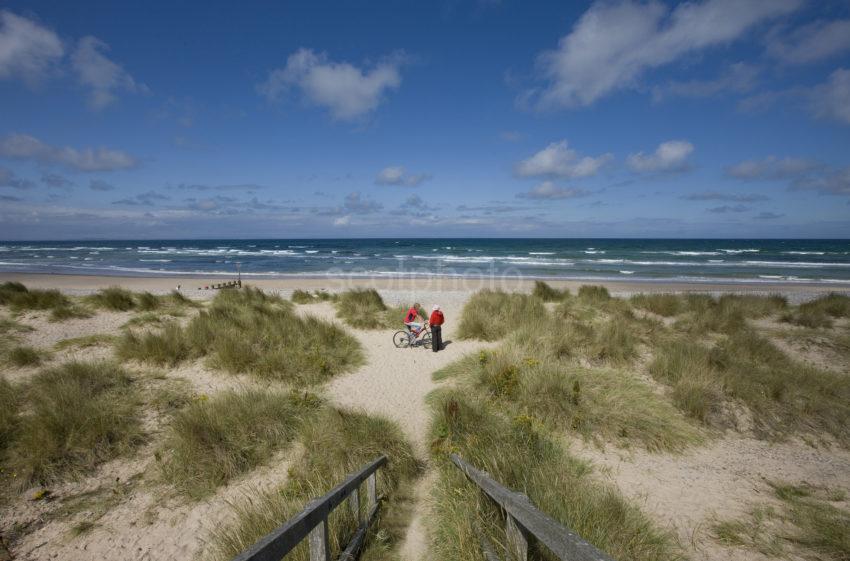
x: 247, y: 331
x: 71, y: 311
x: 782, y: 395
x: 215, y: 439
x: 19, y: 298
x: 119, y: 299
x: 10, y: 326
x: 73, y: 417
x: 22, y: 355
x: 667, y: 305
x: 820, y: 312
x: 307, y: 297
x: 336, y: 443
x: 9, y: 404
x: 806, y: 521
x: 490, y: 315
x: 593, y: 293
x: 548, y: 294
x: 520, y: 455
x: 727, y: 313
x: 365, y: 309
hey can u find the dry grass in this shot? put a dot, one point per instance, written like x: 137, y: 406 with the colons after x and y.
x: 490, y: 315
x: 667, y: 305
x: 306, y: 297
x: 215, y: 439
x: 250, y: 332
x: 821, y: 312
x: 548, y: 294
x: 365, y: 309
x: 519, y: 454
x: 72, y: 418
x: 336, y: 443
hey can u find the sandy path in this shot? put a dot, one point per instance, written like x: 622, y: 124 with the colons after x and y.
x: 394, y: 383
x: 722, y: 480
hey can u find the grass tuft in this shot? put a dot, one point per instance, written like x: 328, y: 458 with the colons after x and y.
x: 667, y: 305
x: 20, y: 298
x: 365, y: 309
x: 74, y: 417
x: 9, y: 404
x: 593, y: 293
x: 213, y: 440
x: 490, y: 315
x: 548, y: 294
x: 114, y: 298
x: 22, y: 356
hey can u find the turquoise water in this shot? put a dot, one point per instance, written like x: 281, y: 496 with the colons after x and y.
x: 764, y: 261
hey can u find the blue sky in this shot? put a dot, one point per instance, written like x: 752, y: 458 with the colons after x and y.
x: 712, y: 118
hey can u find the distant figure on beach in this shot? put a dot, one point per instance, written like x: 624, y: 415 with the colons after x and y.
x: 437, y: 320
x: 410, y: 319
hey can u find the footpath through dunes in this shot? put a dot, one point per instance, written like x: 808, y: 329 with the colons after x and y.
x: 394, y: 383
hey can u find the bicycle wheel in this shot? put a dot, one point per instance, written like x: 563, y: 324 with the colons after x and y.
x: 426, y: 340
x: 401, y: 339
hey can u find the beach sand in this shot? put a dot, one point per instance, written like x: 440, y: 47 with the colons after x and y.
x: 685, y: 493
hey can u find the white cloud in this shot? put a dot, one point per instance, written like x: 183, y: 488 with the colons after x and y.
x: 831, y: 100
x: 396, y: 175
x: 343, y: 221
x: 670, y: 156
x: 347, y: 91
x: 560, y: 161
x: 25, y: 147
x: 98, y: 73
x: 738, y: 78
x: 771, y: 168
x: 27, y: 49
x: 614, y: 43
x: 549, y: 191
x: 809, y: 43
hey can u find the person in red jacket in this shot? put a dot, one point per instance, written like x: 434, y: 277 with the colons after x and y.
x: 410, y: 319
x: 437, y: 320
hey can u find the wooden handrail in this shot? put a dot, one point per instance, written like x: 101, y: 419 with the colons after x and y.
x: 524, y: 521
x: 313, y: 521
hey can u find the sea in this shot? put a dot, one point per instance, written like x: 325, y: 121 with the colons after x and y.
x: 649, y: 260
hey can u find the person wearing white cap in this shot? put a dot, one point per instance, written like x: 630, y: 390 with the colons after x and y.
x: 436, y: 322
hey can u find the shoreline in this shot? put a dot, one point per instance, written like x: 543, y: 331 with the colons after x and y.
x: 83, y: 284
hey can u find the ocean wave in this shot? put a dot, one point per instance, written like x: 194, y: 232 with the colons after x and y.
x: 541, y: 253
x: 804, y: 252
x: 682, y: 253
x: 736, y: 251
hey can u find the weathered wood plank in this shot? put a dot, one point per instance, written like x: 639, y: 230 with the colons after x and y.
x: 277, y: 543
x: 372, y: 489
x: 564, y: 543
x: 517, y: 541
x: 354, y: 504
x: 351, y: 551
x: 319, y: 549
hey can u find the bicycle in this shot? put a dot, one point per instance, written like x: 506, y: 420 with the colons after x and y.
x: 406, y: 338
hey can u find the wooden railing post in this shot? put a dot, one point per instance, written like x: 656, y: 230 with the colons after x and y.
x: 319, y: 550
x: 354, y: 504
x: 517, y: 540
x: 372, y: 487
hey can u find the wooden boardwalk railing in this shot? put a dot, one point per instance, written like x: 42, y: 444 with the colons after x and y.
x: 313, y: 521
x: 525, y: 522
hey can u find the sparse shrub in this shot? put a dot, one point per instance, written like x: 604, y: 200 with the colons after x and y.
x: 213, y: 440
x: 22, y: 356
x: 75, y: 416
x: 548, y: 294
x: 490, y: 315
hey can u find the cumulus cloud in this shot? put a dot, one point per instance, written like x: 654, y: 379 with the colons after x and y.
x: 810, y: 43
x: 828, y: 182
x: 100, y: 185
x: 670, y: 156
x: 734, y: 197
x: 396, y: 175
x: 8, y: 178
x: 614, y: 43
x: 831, y: 100
x: 549, y: 191
x: 26, y: 147
x: 357, y: 204
x: 560, y: 161
x: 771, y: 168
x: 27, y: 50
x: 57, y: 181
x: 149, y: 198
x: 729, y: 208
x: 347, y: 91
x: 101, y: 75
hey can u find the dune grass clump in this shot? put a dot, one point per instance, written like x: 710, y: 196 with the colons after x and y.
x: 72, y: 418
x: 548, y: 294
x: 9, y: 403
x: 213, y: 440
x: 71, y: 311
x: 118, y: 299
x: 250, y: 332
x: 336, y: 443
x: 808, y: 522
x: 306, y: 297
x: 19, y: 298
x: 667, y: 305
x: 365, y: 309
x: 593, y: 293
x: 490, y: 315
x: 728, y: 313
x: 114, y: 298
x: 518, y: 454
x: 23, y: 355
x: 783, y: 396
x: 820, y: 312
